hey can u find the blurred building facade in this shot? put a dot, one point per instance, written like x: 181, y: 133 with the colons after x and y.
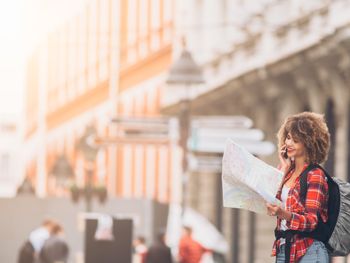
x: 262, y: 59
x: 10, y: 158
x: 265, y: 60
x: 107, y: 60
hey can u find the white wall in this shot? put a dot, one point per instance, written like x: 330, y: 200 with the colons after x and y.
x: 11, y: 166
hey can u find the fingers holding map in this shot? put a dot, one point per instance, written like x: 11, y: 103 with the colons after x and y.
x: 248, y: 182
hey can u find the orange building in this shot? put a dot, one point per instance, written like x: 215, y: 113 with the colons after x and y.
x: 110, y: 59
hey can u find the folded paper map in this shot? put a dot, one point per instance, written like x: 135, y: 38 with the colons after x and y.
x: 248, y: 182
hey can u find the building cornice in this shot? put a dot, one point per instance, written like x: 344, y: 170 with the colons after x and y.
x: 272, y: 50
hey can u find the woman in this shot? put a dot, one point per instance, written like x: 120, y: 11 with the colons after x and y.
x: 303, y: 140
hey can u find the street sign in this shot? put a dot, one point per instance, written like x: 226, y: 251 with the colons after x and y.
x: 210, y: 133
x: 233, y: 133
x: 131, y: 130
x: 149, y: 127
x: 108, y: 141
x: 221, y: 122
x: 258, y: 148
x: 130, y: 123
x: 205, y: 163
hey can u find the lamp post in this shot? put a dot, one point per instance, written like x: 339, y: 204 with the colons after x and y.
x: 62, y: 171
x: 184, y: 72
x: 89, y: 150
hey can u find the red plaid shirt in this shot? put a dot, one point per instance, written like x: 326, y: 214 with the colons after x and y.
x: 304, y: 217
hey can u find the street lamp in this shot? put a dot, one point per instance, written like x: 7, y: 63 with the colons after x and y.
x: 62, y: 171
x: 184, y: 72
x: 89, y: 149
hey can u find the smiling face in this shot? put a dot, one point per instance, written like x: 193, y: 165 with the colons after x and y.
x: 295, y: 149
x: 305, y: 134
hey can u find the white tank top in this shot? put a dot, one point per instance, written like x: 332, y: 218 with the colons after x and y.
x: 284, y: 196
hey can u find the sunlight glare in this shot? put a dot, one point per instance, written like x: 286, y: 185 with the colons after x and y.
x: 11, y: 56
x: 11, y: 31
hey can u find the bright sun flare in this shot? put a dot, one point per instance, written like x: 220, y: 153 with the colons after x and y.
x: 17, y: 20
x: 23, y: 23
x: 11, y: 55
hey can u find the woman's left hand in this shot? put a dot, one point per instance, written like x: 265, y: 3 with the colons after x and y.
x: 276, y: 210
x: 272, y: 210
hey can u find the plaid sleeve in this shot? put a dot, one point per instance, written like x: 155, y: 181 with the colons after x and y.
x: 315, y: 199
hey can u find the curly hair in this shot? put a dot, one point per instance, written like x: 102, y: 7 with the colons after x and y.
x: 311, y: 130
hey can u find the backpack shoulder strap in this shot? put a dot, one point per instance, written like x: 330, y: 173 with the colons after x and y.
x: 303, y: 180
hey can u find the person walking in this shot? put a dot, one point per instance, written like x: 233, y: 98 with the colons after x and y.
x: 303, y: 140
x: 159, y: 252
x: 29, y: 251
x: 140, y: 249
x: 190, y: 251
x: 55, y: 248
x: 26, y: 253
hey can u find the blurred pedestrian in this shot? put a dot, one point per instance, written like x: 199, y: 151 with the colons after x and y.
x: 140, y: 249
x: 159, y: 252
x: 55, y: 248
x: 26, y: 253
x: 31, y: 248
x: 190, y: 251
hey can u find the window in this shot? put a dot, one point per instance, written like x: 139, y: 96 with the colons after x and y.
x: 168, y: 18
x: 155, y: 24
x: 5, y: 165
x: 72, y: 65
x: 143, y: 27
x: 92, y: 45
x: 82, y: 46
x: 132, y: 31
x: 62, y: 38
x: 104, y: 38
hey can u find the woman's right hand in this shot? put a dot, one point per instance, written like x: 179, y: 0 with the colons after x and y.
x: 285, y: 163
